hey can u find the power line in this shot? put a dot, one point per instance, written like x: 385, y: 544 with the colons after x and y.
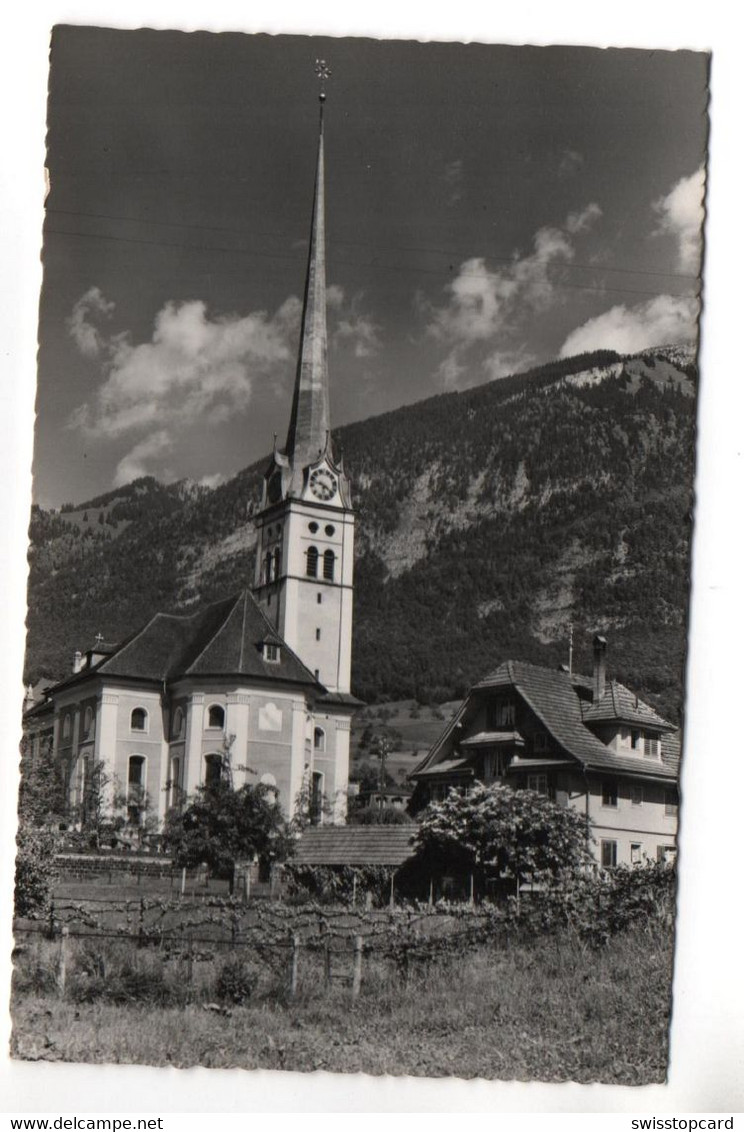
x: 369, y: 264
x: 450, y: 253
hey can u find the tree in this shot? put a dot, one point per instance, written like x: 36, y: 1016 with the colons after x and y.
x: 222, y: 825
x: 515, y: 833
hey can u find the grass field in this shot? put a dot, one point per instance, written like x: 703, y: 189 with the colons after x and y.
x: 548, y: 1010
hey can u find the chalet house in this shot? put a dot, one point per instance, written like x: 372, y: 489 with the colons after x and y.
x: 589, y: 743
x: 259, y: 680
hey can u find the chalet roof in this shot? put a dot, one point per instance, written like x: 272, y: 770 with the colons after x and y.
x: 355, y: 845
x: 224, y: 639
x: 619, y: 703
x: 553, y: 696
x: 447, y: 766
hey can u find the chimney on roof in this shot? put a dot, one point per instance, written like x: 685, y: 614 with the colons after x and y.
x: 600, y: 667
x: 77, y: 661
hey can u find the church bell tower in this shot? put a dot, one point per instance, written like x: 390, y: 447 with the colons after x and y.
x: 305, y: 553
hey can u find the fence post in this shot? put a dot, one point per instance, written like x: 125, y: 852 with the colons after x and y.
x: 431, y: 892
x: 353, y: 889
x: 356, y: 978
x: 327, y: 953
x: 471, y: 901
x: 63, y: 945
x: 183, y: 881
x: 293, y: 966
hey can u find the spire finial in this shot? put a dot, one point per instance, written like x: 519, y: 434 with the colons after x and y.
x: 323, y: 71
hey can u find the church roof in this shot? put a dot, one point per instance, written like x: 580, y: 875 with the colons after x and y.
x: 224, y: 639
x: 553, y: 697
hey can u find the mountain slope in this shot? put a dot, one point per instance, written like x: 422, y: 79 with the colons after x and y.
x: 487, y: 522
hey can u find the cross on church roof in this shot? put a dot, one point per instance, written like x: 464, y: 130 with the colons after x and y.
x: 98, y: 639
x: 323, y: 71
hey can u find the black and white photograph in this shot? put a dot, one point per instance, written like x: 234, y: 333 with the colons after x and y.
x: 360, y: 556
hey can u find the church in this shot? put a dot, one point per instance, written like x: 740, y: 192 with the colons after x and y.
x: 257, y: 686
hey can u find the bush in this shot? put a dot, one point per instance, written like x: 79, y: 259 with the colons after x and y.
x: 236, y: 982
x: 35, y: 874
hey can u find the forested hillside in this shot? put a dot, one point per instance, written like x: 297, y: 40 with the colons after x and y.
x: 487, y: 522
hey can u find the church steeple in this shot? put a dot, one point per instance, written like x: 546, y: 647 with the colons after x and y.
x: 304, y: 569
x: 309, y: 425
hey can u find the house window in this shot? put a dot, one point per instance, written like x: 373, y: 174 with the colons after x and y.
x: 501, y: 714
x: 636, y: 740
x: 636, y: 794
x: 312, y: 562
x: 608, y: 854
x: 538, y: 783
x: 216, y: 717
x: 636, y: 851
x: 671, y: 805
x: 271, y: 652
x: 666, y: 854
x: 329, y: 565
x: 177, y: 725
x: 135, y: 789
x: 138, y: 720
x: 212, y: 771
x: 609, y: 793
x: 88, y: 722
x: 319, y: 739
x: 652, y: 747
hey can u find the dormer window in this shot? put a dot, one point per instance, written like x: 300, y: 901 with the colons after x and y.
x: 636, y: 741
x: 271, y: 652
x: 652, y: 747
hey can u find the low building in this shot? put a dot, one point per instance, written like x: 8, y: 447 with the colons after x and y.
x: 587, y: 742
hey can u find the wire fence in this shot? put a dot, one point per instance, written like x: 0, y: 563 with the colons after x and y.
x: 283, y: 938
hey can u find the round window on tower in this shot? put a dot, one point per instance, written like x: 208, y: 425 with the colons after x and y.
x: 330, y: 530
x: 313, y: 528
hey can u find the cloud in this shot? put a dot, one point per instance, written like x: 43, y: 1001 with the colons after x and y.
x: 663, y: 320
x: 80, y: 326
x: 334, y: 296
x: 195, y: 368
x: 484, y: 304
x: 135, y: 463
x: 354, y: 328
x: 681, y: 215
x: 570, y: 163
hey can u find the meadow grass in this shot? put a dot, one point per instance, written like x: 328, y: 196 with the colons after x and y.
x: 549, y: 1009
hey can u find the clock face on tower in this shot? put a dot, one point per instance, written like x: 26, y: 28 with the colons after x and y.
x: 323, y: 484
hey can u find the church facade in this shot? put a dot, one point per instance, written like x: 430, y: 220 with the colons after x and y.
x: 255, y: 687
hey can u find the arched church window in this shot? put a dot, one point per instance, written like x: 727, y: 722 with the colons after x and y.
x: 319, y: 739
x: 267, y: 566
x: 135, y: 789
x: 329, y: 565
x: 138, y: 720
x: 216, y: 716
x: 312, y: 562
x: 213, y: 770
x: 277, y: 562
x: 66, y: 727
x: 88, y: 722
x: 177, y: 727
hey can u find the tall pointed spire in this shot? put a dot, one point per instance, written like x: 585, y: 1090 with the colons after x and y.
x: 309, y: 425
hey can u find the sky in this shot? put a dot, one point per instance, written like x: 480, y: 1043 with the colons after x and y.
x: 488, y: 208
